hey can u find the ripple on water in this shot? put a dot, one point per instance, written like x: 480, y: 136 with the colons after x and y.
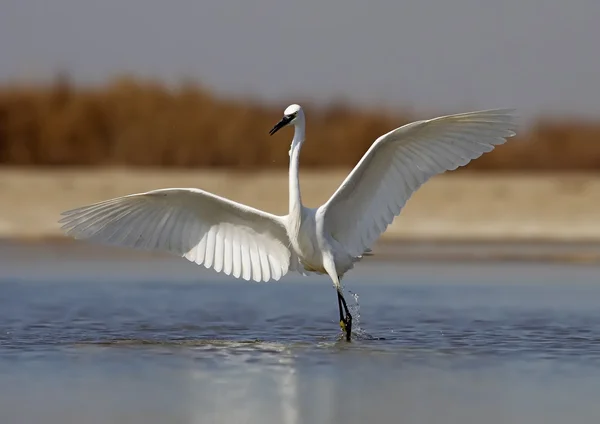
x: 410, y: 321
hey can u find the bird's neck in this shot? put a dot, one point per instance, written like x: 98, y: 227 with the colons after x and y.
x: 295, y: 205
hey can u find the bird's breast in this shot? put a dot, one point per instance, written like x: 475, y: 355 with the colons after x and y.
x: 306, y: 246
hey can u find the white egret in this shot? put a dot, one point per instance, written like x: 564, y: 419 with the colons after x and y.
x: 247, y: 243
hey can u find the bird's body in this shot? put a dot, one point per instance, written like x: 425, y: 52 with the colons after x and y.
x: 247, y: 243
x: 304, y: 241
x: 313, y: 244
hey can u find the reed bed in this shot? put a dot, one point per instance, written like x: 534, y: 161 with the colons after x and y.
x: 145, y: 123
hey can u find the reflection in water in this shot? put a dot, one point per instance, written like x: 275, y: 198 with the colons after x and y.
x: 385, y: 391
x: 266, y: 383
x: 273, y: 384
x: 250, y: 387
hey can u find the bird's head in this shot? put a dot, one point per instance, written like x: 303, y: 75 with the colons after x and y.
x: 290, y: 115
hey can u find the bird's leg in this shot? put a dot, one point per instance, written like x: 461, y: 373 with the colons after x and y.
x: 345, y: 322
x: 342, y: 319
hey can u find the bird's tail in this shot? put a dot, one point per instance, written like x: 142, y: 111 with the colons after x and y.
x: 367, y: 252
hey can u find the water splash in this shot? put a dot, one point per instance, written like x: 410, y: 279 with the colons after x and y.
x: 355, y: 309
x: 358, y: 332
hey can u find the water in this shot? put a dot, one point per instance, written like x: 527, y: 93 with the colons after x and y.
x: 104, y: 339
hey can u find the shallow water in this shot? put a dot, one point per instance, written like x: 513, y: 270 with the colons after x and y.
x: 101, y: 340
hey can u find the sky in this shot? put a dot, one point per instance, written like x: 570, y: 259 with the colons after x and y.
x: 540, y: 56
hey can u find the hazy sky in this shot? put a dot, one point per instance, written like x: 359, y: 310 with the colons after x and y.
x: 432, y: 55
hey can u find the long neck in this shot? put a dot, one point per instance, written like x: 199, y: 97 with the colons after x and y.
x: 295, y: 206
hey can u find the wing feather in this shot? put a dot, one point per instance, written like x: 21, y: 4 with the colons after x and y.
x: 204, y: 228
x: 399, y: 162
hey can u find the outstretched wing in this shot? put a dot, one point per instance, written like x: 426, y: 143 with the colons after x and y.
x: 399, y: 162
x: 204, y: 228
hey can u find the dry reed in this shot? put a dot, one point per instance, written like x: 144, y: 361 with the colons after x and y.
x: 134, y: 122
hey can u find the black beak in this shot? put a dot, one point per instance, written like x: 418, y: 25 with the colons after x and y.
x: 284, y: 121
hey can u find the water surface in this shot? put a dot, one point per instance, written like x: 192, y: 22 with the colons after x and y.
x: 130, y: 340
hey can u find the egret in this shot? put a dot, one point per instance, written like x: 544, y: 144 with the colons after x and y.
x: 251, y: 244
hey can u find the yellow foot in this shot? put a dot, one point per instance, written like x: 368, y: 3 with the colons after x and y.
x: 344, y: 326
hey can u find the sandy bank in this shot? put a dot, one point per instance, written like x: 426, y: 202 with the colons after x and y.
x: 457, y: 206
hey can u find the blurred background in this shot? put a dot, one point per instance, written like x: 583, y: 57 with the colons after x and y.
x: 99, y: 99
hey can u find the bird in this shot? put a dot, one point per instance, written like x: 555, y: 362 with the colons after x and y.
x: 250, y: 244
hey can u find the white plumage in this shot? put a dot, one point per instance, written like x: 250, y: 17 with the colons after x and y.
x: 202, y: 227
x: 254, y: 245
x: 399, y: 162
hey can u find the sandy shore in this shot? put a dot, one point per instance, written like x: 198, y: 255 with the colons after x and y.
x: 454, y: 206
